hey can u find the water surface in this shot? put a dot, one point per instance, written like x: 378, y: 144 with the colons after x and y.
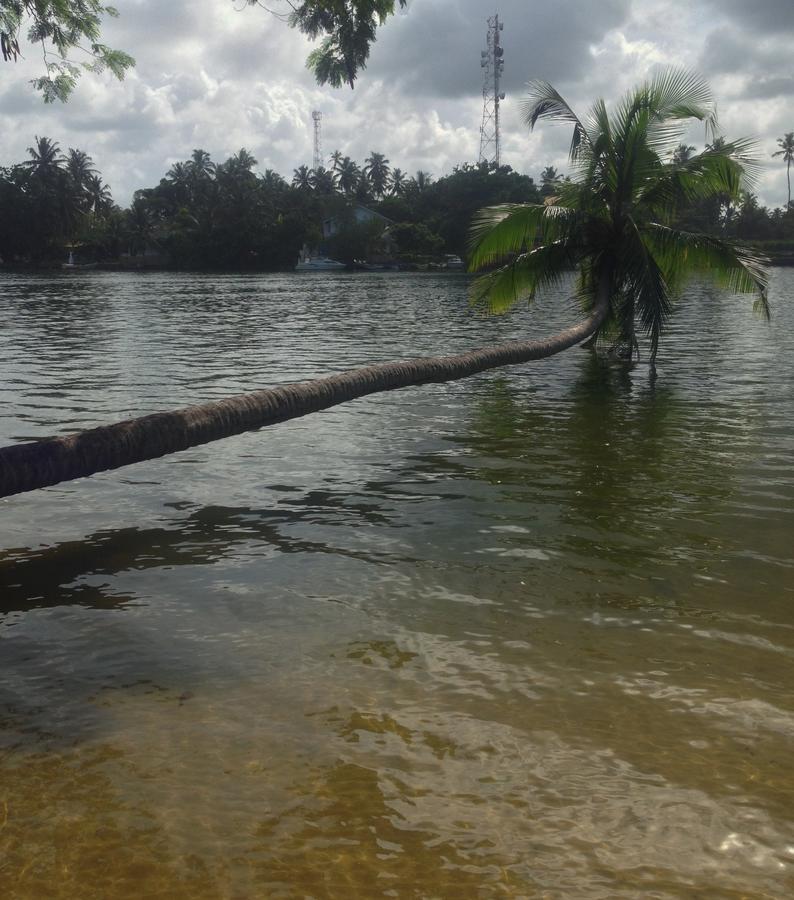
x: 526, y: 635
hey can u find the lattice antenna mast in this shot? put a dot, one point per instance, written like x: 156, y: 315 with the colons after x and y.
x: 318, y: 144
x: 493, y: 64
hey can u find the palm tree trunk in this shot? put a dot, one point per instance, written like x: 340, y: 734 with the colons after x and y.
x: 788, y: 178
x: 26, y: 467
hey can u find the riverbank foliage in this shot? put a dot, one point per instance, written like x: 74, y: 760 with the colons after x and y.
x: 208, y: 215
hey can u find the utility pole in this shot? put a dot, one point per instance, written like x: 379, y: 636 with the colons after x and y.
x: 493, y: 63
x: 318, y: 147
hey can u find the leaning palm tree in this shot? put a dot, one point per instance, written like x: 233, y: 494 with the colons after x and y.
x: 786, y: 144
x: 608, y: 221
x: 612, y: 221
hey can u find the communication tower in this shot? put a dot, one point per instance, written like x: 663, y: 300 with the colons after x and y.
x: 493, y: 63
x: 318, y: 146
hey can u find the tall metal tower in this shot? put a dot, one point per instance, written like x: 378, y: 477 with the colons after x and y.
x: 318, y: 146
x: 493, y: 63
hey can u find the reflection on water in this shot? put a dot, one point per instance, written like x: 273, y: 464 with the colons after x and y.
x: 524, y: 636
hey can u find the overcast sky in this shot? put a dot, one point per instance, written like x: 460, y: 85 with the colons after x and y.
x: 218, y: 75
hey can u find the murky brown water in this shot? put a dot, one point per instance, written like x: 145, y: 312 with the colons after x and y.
x: 528, y: 635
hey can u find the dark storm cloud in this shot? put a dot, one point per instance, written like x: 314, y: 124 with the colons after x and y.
x: 434, y: 50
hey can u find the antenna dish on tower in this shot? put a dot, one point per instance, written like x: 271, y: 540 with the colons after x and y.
x: 492, y: 61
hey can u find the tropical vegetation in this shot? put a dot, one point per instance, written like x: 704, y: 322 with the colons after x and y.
x: 614, y: 220
x: 617, y: 221
x: 229, y: 215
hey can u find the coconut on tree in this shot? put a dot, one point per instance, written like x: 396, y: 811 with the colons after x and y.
x: 611, y: 222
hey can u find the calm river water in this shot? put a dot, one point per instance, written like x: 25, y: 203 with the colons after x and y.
x: 527, y: 635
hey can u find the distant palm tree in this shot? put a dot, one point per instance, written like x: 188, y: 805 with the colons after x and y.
x: 179, y: 178
x: 272, y: 181
x: 302, y: 178
x: 421, y: 181
x: 322, y: 180
x: 80, y: 168
x: 59, y: 202
x: 139, y: 225
x: 336, y: 160
x: 786, y: 144
x: 242, y: 161
x: 347, y: 175
x: 397, y: 182
x: 549, y: 178
x: 683, y: 153
x: 363, y: 189
x: 178, y: 173
x: 45, y: 159
x: 100, y: 200
x: 377, y: 170
x: 201, y: 165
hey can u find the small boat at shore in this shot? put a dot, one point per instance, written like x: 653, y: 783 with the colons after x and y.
x: 319, y: 264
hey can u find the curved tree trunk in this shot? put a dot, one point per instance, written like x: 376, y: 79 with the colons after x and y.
x: 26, y: 467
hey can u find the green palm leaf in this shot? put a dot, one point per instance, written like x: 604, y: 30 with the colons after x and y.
x: 499, y: 231
x: 524, y: 276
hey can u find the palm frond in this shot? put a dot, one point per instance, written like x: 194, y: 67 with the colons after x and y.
x: 682, y: 94
x: 500, y: 231
x: 738, y: 267
x: 661, y: 107
x: 524, y: 276
x: 544, y: 102
x: 725, y: 172
x: 644, y: 285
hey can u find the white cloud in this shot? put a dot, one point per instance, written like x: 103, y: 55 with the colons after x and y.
x: 214, y: 76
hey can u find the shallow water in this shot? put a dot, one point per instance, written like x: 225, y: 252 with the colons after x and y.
x: 526, y: 635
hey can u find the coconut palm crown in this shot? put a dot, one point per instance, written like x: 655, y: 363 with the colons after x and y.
x: 613, y: 222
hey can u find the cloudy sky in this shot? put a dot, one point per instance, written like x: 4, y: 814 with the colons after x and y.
x: 219, y: 75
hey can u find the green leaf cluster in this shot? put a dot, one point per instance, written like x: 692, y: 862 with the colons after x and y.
x: 60, y: 27
x: 346, y: 28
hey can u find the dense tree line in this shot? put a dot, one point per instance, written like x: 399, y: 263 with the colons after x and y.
x: 225, y: 215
